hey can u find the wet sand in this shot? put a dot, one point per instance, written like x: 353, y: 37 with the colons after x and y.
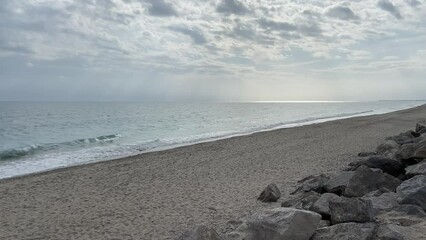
x: 158, y: 195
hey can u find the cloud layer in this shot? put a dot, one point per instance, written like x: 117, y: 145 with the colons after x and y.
x: 223, y: 49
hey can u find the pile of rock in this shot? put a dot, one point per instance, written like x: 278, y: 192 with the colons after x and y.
x: 382, y: 196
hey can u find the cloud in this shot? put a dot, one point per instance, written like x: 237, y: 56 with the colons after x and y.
x: 414, y: 3
x: 161, y: 8
x: 277, y: 26
x: 232, y: 7
x: 389, y: 7
x: 343, y: 13
x: 194, y: 33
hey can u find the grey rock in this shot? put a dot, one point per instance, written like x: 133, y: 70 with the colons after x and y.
x: 322, y: 207
x: 377, y: 192
x: 383, y: 202
x: 278, y: 224
x: 403, y: 215
x: 404, y: 138
x: 387, y: 165
x: 338, y: 184
x: 346, y: 210
x: 388, y: 148
x: 346, y: 231
x: 413, y: 191
x: 302, y: 200
x: 420, y: 126
x: 366, y: 154
x: 200, y: 233
x: 420, y: 152
x: 270, y: 194
x: 417, y: 169
x: 324, y: 223
x: 312, y: 183
x: 406, y: 151
x: 366, y: 180
x: 389, y: 232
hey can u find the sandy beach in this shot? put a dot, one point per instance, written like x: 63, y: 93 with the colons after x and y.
x: 159, y: 195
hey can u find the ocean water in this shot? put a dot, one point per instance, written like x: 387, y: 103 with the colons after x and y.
x: 36, y: 137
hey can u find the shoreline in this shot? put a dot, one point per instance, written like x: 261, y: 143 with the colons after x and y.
x: 288, y: 125
x: 158, y: 195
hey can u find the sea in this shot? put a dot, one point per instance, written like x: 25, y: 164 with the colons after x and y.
x: 41, y: 136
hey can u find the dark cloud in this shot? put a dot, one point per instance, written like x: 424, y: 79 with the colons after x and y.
x: 196, y: 35
x: 343, y: 13
x: 389, y: 7
x: 232, y: 7
x: 277, y: 26
x: 161, y: 8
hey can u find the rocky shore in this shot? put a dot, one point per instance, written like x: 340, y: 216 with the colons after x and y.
x: 381, y: 196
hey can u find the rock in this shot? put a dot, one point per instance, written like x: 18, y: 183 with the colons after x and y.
x: 312, y: 183
x: 377, y: 192
x: 403, y: 215
x: 350, y: 210
x: 324, y: 223
x: 366, y: 154
x: 302, y: 201
x: 278, y: 224
x: 387, y: 165
x: 406, y: 151
x: 418, y: 169
x: 270, y: 194
x: 321, y: 206
x: 420, y: 126
x: 200, y: 233
x: 366, y: 180
x: 338, y: 184
x: 420, y: 152
x: 413, y: 191
x: 387, y: 148
x: 346, y: 231
x: 404, y: 138
x: 389, y: 232
x: 383, y: 202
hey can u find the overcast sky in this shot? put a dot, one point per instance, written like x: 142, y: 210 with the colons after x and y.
x: 225, y: 50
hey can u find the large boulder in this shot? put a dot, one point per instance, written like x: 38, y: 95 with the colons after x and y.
x: 406, y: 151
x: 417, y: 169
x: 389, y: 232
x: 404, y: 138
x: 270, y: 194
x: 413, y: 191
x: 421, y: 126
x: 420, y: 152
x: 322, y: 205
x: 403, y: 215
x: 278, y: 224
x: 382, y: 202
x: 388, y: 148
x: 387, y: 165
x: 345, y: 210
x: 312, y: 183
x: 302, y: 201
x: 200, y: 233
x: 366, y: 180
x: 338, y: 184
x: 346, y: 231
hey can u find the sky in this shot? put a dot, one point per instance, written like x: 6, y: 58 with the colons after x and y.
x: 217, y: 50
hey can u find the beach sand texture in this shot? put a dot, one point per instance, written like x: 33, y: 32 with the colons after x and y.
x: 159, y: 195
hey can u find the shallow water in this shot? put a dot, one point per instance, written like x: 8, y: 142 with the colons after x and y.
x: 36, y: 137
